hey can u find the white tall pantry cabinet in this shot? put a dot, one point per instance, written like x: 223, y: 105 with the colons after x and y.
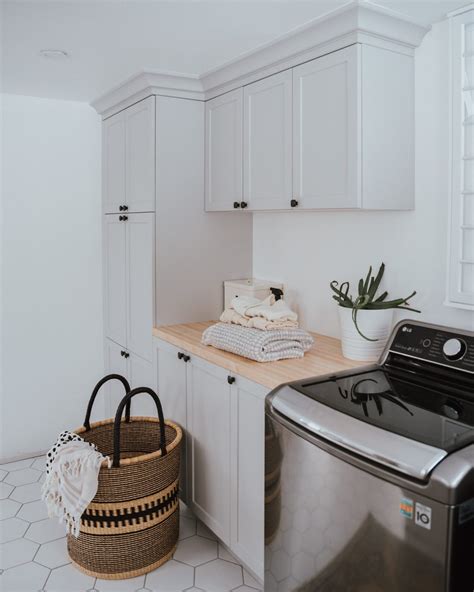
x: 164, y: 258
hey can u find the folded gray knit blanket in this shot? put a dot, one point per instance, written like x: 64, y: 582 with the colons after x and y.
x: 262, y: 346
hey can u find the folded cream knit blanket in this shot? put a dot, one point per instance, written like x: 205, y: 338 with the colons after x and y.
x: 232, y: 316
x: 262, y: 346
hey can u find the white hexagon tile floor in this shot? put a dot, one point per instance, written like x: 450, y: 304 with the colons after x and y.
x: 33, y: 554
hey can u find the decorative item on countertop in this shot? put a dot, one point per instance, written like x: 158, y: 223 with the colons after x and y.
x: 251, y: 287
x: 258, y: 345
x: 367, y: 319
x: 131, y: 526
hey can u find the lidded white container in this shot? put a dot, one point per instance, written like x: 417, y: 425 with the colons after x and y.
x: 248, y: 287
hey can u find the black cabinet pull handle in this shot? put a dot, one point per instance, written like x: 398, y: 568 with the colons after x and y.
x: 180, y: 355
x: 236, y: 205
x: 125, y: 354
x: 243, y: 204
x: 293, y: 203
x: 186, y: 358
x: 231, y: 379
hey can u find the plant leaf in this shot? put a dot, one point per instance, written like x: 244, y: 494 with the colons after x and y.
x: 375, y: 286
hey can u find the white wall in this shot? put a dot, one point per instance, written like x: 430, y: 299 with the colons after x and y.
x: 308, y: 250
x: 52, y: 302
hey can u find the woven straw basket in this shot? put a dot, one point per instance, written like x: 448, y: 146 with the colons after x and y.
x: 131, y: 526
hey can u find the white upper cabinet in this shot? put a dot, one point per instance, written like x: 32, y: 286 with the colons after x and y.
x: 115, y: 279
x: 325, y: 138
x: 113, y: 162
x: 140, y: 283
x: 268, y: 142
x: 223, y: 172
x: 128, y: 156
x: 140, y: 155
x: 336, y: 132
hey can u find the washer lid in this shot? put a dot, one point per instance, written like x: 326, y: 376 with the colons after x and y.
x: 410, y: 457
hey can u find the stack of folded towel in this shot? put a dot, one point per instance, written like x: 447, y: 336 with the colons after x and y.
x: 262, y: 330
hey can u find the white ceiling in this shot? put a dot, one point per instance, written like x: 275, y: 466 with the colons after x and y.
x: 109, y: 40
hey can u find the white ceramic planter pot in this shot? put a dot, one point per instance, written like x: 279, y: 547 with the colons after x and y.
x: 376, y: 324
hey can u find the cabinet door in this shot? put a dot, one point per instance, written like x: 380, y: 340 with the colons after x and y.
x: 247, y: 479
x: 140, y: 156
x: 223, y: 178
x: 115, y: 305
x: 113, y: 163
x: 268, y: 142
x: 140, y: 284
x: 171, y: 379
x: 209, y: 435
x: 140, y: 373
x: 325, y: 123
x: 115, y: 363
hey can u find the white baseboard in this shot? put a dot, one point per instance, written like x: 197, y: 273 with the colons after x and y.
x: 10, y: 459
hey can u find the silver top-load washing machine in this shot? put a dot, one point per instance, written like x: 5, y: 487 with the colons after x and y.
x: 369, y: 474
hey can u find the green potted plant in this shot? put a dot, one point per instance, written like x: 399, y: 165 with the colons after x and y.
x: 366, y: 319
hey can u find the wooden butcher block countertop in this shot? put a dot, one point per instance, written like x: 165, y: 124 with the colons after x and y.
x: 324, y: 357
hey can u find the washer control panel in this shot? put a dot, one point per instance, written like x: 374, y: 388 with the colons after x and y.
x: 438, y: 345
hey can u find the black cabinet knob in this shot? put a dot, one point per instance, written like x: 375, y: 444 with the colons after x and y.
x: 123, y: 218
x: 243, y: 204
x: 186, y: 358
x: 180, y: 355
x: 126, y: 355
x: 236, y: 205
x: 231, y: 379
x: 121, y: 208
x: 122, y: 353
x: 293, y: 203
x: 124, y: 208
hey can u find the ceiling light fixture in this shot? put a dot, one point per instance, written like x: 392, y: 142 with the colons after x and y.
x: 54, y: 53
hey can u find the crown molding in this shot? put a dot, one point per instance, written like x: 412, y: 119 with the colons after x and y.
x: 146, y: 83
x: 358, y: 21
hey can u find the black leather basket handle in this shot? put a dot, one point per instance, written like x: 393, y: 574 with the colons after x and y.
x: 97, y: 387
x: 118, y: 417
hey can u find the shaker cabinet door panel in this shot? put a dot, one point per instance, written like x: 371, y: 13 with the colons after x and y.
x: 115, y: 363
x: 247, y: 482
x: 141, y: 374
x: 113, y: 163
x: 325, y: 131
x: 268, y: 142
x: 140, y: 156
x: 223, y: 173
x: 115, y: 279
x: 171, y: 379
x: 209, y: 454
x: 140, y: 284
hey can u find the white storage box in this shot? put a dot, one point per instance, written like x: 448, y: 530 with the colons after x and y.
x: 256, y: 288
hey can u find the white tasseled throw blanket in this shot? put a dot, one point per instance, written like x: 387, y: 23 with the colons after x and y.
x: 262, y: 346
x: 72, y: 473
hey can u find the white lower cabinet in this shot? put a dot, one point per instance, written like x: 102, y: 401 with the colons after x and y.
x: 136, y: 370
x: 247, y: 474
x: 223, y: 418
x: 170, y: 372
x: 209, y: 453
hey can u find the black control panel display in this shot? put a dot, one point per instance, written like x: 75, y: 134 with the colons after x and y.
x: 440, y: 346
